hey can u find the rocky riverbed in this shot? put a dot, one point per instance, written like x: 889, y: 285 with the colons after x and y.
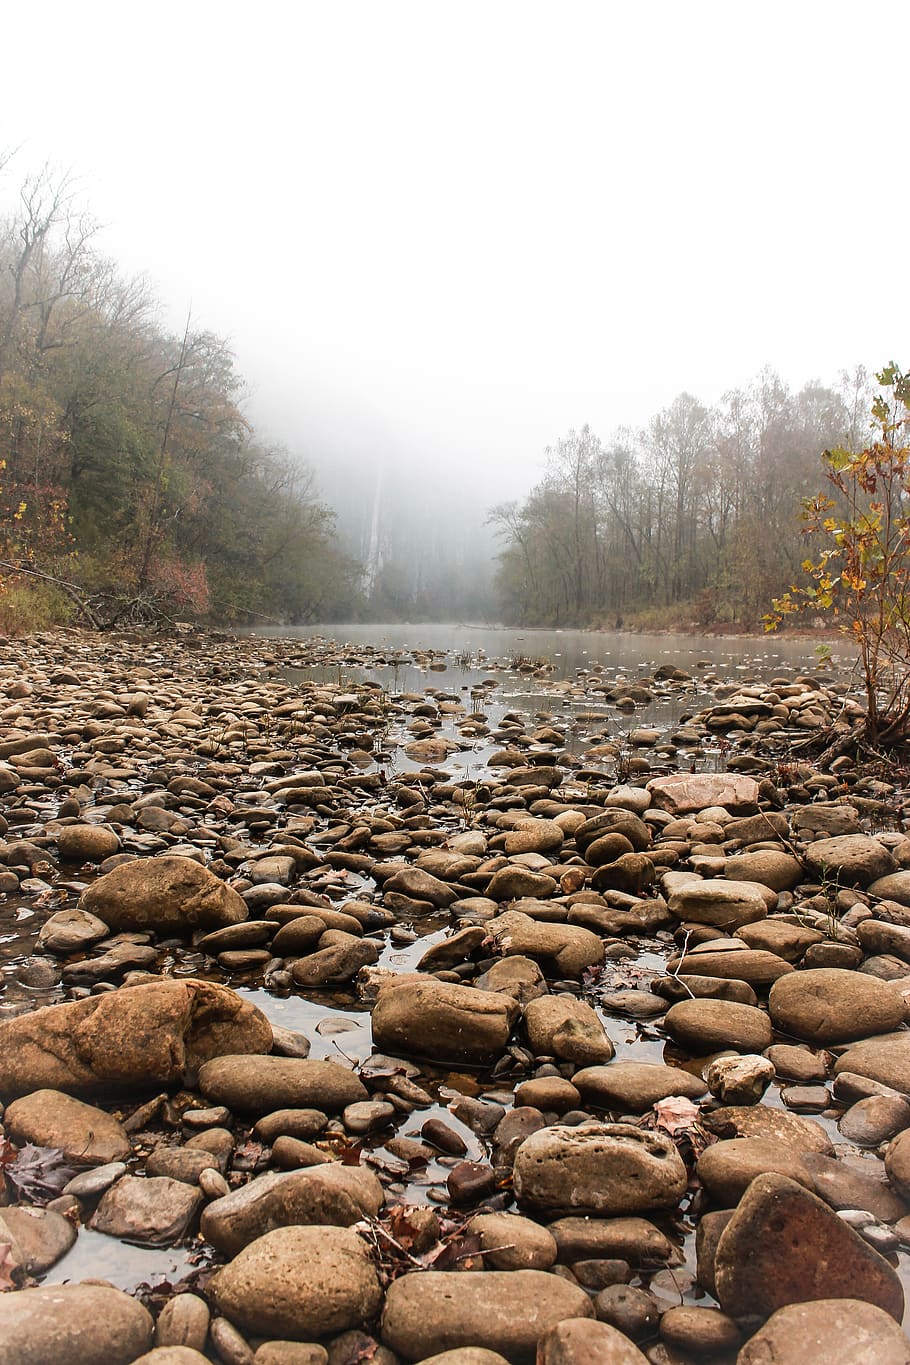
x: 342, y: 1024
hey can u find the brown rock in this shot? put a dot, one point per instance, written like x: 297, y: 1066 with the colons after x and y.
x: 444, y: 1022
x: 505, y: 1311
x: 598, y: 1168
x: 846, y: 1330
x: 259, y: 1085
x: 50, y: 1118
x: 299, y: 1283
x: 829, y: 1005
x: 704, y: 1026
x: 332, y: 1195
x: 580, y: 1342
x: 167, y: 894
x: 72, y: 1324
x: 784, y: 1245
x: 138, y: 1037
x: 565, y: 1027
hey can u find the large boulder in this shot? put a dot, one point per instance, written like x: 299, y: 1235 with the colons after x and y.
x: 443, y: 1022
x: 140, y: 1037
x: 598, y: 1168
x: 503, y: 1310
x: 331, y: 1195
x: 299, y: 1284
x: 170, y: 894
x: 72, y: 1324
x: 829, y: 1005
x: 784, y: 1245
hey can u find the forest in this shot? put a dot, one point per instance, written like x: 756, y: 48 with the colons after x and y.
x: 134, y: 489
x: 693, y: 520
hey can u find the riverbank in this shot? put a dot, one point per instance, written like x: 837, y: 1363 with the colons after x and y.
x: 331, y: 971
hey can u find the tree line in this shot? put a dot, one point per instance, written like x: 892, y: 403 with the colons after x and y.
x: 131, y: 483
x: 692, y: 519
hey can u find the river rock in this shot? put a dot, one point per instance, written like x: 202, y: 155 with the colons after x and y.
x: 87, y: 843
x: 784, y: 1245
x: 299, y: 1283
x: 259, y: 1085
x: 568, y: 948
x: 860, y: 1183
x: 768, y: 866
x: 330, y: 1195
x: 718, y: 902
x: 441, y: 1021
x: 598, y: 1168
x: 847, y: 1331
x: 166, y: 894
x: 829, y: 1005
x: 897, y: 1163
x: 779, y: 1126
x: 579, y: 1342
x: 634, y: 1240
x: 71, y: 931
x: 505, y: 1311
x: 153, y: 1034
x: 751, y: 965
x: 789, y: 941
x: 739, y: 1080
x: 510, y: 1242
x: 634, y: 1087
x: 850, y: 859
x: 684, y: 794
x: 726, y: 1169
x: 886, y: 1060
x: 183, y: 1321
x: 704, y: 1026
x: 515, y: 882
x: 50, y: 1118
x: 337, y: 964
x: 565, y: 1027
x: 155, y: 1211
x: 72, y: 1324
x: 39, y: 1237
x: 894, y: 887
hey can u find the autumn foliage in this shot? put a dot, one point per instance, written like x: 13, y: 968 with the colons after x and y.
x: 860, y: 575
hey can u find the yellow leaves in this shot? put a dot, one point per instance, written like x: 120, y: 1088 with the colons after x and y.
x: 20, y: 511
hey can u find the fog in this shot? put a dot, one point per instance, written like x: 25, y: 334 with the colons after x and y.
x: 439, y: 236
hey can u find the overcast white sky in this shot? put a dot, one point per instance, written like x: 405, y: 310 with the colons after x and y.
x: 469, y: 226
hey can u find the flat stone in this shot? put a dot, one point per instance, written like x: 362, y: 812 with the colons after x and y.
x: 634, y: 1087
x: 331, y: 1195
x: 504, y: 1311
x: 40, y: 1236
x: 704, y: 1026
x: 259, y: 1085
